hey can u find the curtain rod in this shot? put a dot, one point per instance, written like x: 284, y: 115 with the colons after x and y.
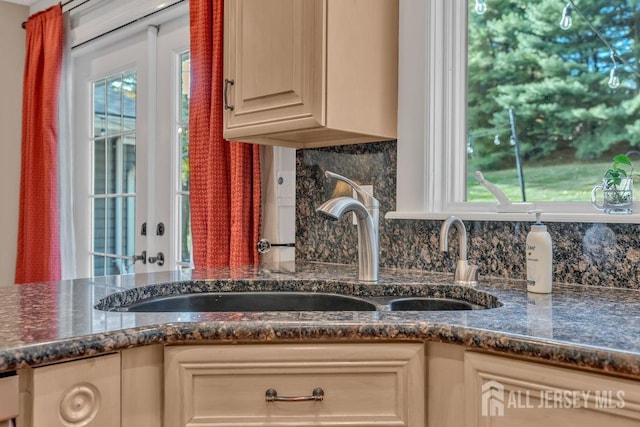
x: 24, y: 24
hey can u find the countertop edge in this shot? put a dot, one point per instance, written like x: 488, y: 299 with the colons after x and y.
x: 599, y: 360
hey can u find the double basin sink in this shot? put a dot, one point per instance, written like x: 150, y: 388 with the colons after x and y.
x: 445, y: 298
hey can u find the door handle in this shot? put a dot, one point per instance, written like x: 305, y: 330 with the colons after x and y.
x: 158, y: 259
x: 135, y: 258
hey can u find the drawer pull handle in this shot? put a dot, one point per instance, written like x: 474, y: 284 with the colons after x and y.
x: 271, y: 395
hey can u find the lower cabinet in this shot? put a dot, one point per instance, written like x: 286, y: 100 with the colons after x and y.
x: 305, y: 385
x: 79, y: 393
x: 500, y: 391
x: 114, y: 390
x: 295, y: 385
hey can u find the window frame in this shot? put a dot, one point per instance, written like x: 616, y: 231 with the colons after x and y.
x: 432, y: 71
x: 179, y: 193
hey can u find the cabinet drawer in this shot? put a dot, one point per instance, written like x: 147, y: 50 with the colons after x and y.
x: 363, y: 385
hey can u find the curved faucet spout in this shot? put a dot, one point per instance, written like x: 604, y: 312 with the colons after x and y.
x: 465, y: 274
x: 365, y: 198
x: 366, y: 212
x: 338, y: 206
x: 462, y: 236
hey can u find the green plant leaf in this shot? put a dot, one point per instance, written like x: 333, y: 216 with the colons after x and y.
x: 621, y: 159
x: 614, y: 175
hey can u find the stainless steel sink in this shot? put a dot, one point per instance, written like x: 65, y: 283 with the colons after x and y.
x: 431, y: 304
x: 250, y: 301
x: 187, y: 297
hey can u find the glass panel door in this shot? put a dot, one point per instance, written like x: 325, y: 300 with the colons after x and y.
x: 131, y: 170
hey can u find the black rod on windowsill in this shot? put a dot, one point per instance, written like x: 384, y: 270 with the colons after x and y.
x: 24, y: 24
x: 516, y: 143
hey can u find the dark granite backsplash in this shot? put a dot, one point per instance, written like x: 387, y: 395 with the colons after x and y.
x: 584, y: 253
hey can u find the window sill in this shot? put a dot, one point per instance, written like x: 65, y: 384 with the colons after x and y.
x: 588, y: 217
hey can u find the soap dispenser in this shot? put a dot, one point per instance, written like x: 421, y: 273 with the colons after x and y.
x: 539, y: 257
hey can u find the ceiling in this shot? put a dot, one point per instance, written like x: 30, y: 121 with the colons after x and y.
x: 22, y: 2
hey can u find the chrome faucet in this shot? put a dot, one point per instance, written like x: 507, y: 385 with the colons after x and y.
x: 366, y: 209
x: 466, y: 274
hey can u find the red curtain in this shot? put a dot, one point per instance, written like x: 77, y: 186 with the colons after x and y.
x: 38, y: 255
x: 225, y: 176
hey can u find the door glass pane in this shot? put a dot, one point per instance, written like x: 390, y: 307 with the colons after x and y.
x: 99, y: 97
x: 114, y: 165
x: 113, y: 266
x: 114, y: 105
x: 98, y: 265
x: 129, y: 164
x: 99, y: 221
x: 185, y: 228
x: 129, y: 86
x: 184, y: 158
x: 109, y: 227
x: 111, y: 163
x: 127, y: 244
x: 182, y: 125
x: 185, y: 79
x: 99, y: 172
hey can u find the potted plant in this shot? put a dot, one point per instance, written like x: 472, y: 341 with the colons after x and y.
x: 617, y: 187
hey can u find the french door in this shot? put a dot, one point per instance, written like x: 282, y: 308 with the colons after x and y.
x: 130, y: 110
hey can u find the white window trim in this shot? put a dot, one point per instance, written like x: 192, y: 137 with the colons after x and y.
x: 90, y: 21
x: 432, y: 123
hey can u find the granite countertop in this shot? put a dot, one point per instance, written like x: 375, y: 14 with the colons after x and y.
x: 588, y: 327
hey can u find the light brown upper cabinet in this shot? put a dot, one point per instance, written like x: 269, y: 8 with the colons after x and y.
x: 310, y: 73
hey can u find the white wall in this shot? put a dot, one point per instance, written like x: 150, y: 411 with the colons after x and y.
x: 278, y: 201
x: 12, y: 52
x: 41, y: 5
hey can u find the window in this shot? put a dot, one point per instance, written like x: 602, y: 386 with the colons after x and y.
x: 544, y: 119
x: 432, y: 134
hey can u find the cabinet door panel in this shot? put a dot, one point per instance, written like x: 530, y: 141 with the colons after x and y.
x: 79, y: 393
x: 363, y: 385
x: 507, y: 392
x: 272, y: 51
x: 269, y: 40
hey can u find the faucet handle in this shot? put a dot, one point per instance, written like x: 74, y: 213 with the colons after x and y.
x: 363, y: 196
x: 466, y: 274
